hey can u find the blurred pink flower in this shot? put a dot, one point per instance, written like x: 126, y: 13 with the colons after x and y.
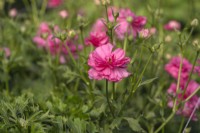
x: 6, y: 51
x: 54, y: 3
x: 107, y: 64
x: 13, y: 12
x: 172, y: 25
x: 63, y: 14
x: 99, y: 26
x: 187, y: 109
x: 97, y: 39
x: 173, y: 67
x: 146, y: 33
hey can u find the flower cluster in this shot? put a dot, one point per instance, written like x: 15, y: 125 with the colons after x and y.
x: 173, y: 69
x: 128, y: 24
x: 45, y: 39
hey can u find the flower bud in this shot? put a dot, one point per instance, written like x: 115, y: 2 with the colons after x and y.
x: 105, y: 2
x: 196, y: 44
x: 71, y: 34
x: 194, y: 22
x: 129, y: 19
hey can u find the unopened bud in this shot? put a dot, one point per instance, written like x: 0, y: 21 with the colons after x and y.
x: 129, y: 19
x: 196, y: 44
x: 105, y: 2
x: 71, y: 34
x: 194, y: 22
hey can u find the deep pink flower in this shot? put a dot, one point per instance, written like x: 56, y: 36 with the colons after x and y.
x: 107, y: 64
x: 97, y: 39
x: 172, y: 25
x: 173, y: 68
x: 187, y: 109
x: 54, y: 3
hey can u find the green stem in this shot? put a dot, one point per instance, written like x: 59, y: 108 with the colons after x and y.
x: 166, y: 121
x: 43, y: 8
x: 135, y: 87
x: 178, y: 82
x: 193, y: 65
x: 181, y: 126
x: 106, y: 13
x: 113, y: 88
x: 107, y: 97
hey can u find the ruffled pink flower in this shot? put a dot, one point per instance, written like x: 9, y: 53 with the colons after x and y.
x: 172, y: 25
x: 97, y: 39
x: 129, y: 23
x: 63, y: 14
x: 54, y: 3
x: 187, y: 109
x: 173, y: 68
x: 108, y: 64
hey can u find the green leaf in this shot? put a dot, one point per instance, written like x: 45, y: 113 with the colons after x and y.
x: 147, y: 81
x: 134, y: 125
x: 116, y: 122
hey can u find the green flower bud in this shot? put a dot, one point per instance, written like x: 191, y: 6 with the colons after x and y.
x: 194, y: 22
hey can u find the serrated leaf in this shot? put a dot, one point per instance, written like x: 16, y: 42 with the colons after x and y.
x: 147, y: 81
x: 134, y: 125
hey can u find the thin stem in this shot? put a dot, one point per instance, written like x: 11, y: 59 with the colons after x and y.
x: 178, y: 82
x: 181, y: 126
x: 113, y: 88
x: 194, y: 63
x: 167, y: 120
x: 135, y: 87
x: 106, y: 13
x: 191, y: 115
x: 107, y: 97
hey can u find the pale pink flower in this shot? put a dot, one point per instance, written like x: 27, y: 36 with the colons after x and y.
x: 173, y: 68
x: 6, y: 51
x: 97, y: 39
x: 97, y: 2
x: 145, y: 33
x: 108, y: 64
x: 54, y: 3
x: 99, y: 26
x: 172, y: 25
x: 152, y: 30
x: 187, y: 109
x: 111, y: 11
x: 13, y: 12
x: 41, y: 42
x: 63, y: 14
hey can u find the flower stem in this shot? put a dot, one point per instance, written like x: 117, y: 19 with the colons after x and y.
x: 193, y: 65
x: 107, y: 96
x: 134, y: 87
x: 166, y: 121
x: 113, y: 87
x: 181, y: 126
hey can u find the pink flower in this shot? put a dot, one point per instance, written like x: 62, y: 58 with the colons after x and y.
x: 97, y: 39
x: 187, y: 109
x: 99, y: 26
x: 63, y: 14
x: 54, y: 3
x: 13, y: 12
x: 172, y: 25
x: 6, y: 51
x: 173, y: 68
x: 129, y: 23
x: 145, y: 33
x: 107, y: 64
